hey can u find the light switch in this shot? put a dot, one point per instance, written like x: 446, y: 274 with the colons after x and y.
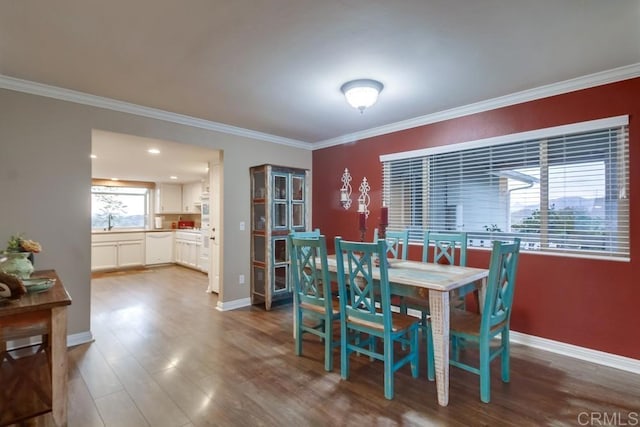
x: 241, y: 279
x: 241, y: 225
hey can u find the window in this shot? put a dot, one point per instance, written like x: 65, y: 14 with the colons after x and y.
x: 560, y: 189
x: 120, y: 207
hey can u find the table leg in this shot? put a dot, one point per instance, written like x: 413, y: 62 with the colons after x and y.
x: 439, y: 308
x: 58, y: 344
x: 482, y: 294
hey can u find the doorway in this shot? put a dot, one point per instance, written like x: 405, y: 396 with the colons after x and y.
x: 177, y: 177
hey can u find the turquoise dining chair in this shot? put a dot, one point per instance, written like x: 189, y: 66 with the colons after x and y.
x: 494, y: 320
x: 365, y: 310
x: 312, y: 294
x: 304, y: 234
x: 397, y: 243
x: 448, y: 248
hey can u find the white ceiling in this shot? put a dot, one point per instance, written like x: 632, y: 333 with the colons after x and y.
x: 276, y: 66
x: 126, y: 157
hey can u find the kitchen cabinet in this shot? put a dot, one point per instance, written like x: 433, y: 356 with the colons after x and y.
x: 187, y: 249
x: 117, y: 250
x: 159, y: 247
x: 168, y: 198
x: 279, y: 204
x: 191, y: 197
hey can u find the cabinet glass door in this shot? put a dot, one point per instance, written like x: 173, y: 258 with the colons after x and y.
x: 297, y: 188
x: 280, y: 215
x: 280, y: 276
x: 259, y: 249
x: 280, y: 250
x: 280, y: 187
x: 259, y: 219
x: 297, y: 215
x: 259, y: 187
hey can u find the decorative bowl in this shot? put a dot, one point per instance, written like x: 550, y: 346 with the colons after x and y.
x: 38, y: 284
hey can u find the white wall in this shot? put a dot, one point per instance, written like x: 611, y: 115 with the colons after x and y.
x: 45, y: 178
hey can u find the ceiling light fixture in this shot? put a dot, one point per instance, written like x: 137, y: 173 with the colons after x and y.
x: 93, y: 156
x: 173, y: 177
x: 153, y: 151
x: 362, y: 93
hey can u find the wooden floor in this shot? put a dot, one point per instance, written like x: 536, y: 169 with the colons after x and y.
x: 164, y: 356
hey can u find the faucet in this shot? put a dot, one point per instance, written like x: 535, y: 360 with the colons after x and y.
x: 110, y: 225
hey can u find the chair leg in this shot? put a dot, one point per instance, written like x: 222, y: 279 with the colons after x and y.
x: 388, y: 367
x: 485, y: 371
x: 298, y: 332
x: 415, y: 352
x: 431, y: 370
x: 403, y: 306
x: 344, y: 351
x: 504, y: 357
x: 328, y: 345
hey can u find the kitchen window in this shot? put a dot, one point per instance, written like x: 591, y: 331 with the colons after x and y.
x: 562, y: 189
x: 119, y: 207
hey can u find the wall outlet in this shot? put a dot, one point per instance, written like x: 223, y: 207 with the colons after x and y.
x: 241, y: 279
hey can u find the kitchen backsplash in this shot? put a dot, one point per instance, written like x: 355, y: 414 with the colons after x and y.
x: 171, y: 220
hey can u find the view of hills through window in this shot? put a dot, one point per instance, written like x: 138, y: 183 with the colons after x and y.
x: 119, y: 207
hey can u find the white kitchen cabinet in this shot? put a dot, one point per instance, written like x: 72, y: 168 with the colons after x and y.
x: 131, y: 253
x: 191, y: 197
x: 104, y: 255
x: 159, y: 247
x: 187, y: 248
x: 168, y: 198
x: 117, y: 250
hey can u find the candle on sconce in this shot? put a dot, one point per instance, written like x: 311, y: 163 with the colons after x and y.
x: 384, y: 215
x: 362, y: 221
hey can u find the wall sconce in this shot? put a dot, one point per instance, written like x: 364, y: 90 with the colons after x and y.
x: 345, y: 191
x: 363, y: 198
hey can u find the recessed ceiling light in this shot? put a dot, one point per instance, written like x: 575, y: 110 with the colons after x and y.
x: 93, y: 156
x: 173, y: 177
x: 153, y: 151
x: 115, y: 179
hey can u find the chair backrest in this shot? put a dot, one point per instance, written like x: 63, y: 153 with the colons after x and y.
x: 395, y: 239
x: 500, y: 284
x: 304, y: 234
x: 311, y: 286
x: 355, y: 265
x: 444, y: 247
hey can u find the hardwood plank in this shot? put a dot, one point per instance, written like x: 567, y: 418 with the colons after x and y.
x: 118, y: 410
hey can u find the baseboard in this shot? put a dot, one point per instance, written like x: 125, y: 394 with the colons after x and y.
x: 232, y: 305
x: 595, y: 356
x: 79, y: 338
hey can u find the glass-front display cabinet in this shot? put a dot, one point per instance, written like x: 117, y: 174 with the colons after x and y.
x: 279, y: 204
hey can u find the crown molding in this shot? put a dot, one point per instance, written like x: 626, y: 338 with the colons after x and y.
x: 77, y: 97
x: 559, y: 88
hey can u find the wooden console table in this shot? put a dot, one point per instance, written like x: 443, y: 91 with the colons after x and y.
x: 46, y: 314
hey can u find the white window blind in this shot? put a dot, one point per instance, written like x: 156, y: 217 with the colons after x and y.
x: 564, y: 193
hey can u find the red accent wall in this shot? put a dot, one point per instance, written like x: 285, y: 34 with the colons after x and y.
x: 588, y: 303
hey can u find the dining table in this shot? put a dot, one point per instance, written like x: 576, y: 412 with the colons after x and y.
x: 418, y: 279
x: 48, y: 307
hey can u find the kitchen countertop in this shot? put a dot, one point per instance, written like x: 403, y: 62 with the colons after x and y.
x: 145, y: 230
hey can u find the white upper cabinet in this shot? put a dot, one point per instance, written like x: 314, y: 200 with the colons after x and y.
x: 191, y: 197
x: 168, y: 198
